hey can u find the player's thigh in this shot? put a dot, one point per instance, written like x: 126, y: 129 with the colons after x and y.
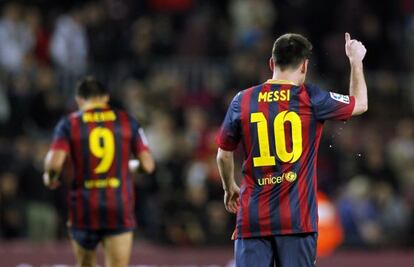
x: 84, y: 257
x: 84, y: 243
x: 296, y: 250
x: 254, y: 252
x: 118, y: 249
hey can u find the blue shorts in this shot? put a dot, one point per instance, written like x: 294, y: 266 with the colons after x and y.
x: 89, y: 239
x: 296, y: 250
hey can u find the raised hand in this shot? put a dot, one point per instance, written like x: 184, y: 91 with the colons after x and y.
x: 354, y: 49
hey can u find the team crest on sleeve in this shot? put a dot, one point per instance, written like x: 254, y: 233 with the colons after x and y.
x: 339, y: 97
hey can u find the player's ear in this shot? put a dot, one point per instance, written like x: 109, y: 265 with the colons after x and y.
x: 79, y: 101
x: 271, y: 63
x: 304, y: 66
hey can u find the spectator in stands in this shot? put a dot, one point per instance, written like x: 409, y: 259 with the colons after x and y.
x: 69, y: 44
x: 16, y: 38
x: 69, y: 49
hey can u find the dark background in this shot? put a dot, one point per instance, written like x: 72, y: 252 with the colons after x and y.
x: 175, y: 65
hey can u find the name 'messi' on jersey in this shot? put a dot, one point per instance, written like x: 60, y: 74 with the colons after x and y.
x: 274, y: 96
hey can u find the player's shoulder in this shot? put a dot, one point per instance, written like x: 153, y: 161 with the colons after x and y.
x: 237, y: 99
x: 311, y: 88
x: 314, y: 91
x: 119, y: 111
x: 123, y: 113
x: 64, y: 122
x: 73, y: 115
x: 130, y: 118
x: 248, y: 91
x: 65, y: 119
x: 255, y: 88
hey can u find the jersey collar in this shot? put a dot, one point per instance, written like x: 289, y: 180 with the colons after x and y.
x: 277, y: 81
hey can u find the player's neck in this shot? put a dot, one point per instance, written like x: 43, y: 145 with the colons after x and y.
x: 286, y: 77
x: 93, y: 104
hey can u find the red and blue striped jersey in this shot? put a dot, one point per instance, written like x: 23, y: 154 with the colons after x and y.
x: 100, y: 142
x: 280, y: 126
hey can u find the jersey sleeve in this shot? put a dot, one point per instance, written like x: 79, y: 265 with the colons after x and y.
x: 139, y: 140
x: 230, y: 132
x: 329, y: 105
x: 61, y: 136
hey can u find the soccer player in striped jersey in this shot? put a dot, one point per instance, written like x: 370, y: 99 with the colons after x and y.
x: 279, y: 124
x: 100, y: 142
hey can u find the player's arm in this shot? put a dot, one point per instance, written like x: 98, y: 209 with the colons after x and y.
x: 143, y: 162
x: 53, y: 165
x: 146, y: 162
x: 356, y: 51
x: 225, y: 163
x: 55, y: 158
x: 147, y: 166
x: 227, y: 140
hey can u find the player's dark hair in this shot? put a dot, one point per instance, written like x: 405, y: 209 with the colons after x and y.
x: 90, y: 87
x: 289, y: 50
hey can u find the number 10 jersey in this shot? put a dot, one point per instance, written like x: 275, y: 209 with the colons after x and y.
x: 100, y: 142
x: 279, y: 125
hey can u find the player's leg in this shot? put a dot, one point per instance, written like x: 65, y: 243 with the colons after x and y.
x: 84, y: 257
x: 84, y: 244
x: 118, y: 249
x: 254, y: 252
x: 297, y: 250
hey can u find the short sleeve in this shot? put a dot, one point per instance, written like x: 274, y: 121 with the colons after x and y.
x: 139, y: 140
x: 329, y: 105
x: 61, y: 136
x: 230, y: 132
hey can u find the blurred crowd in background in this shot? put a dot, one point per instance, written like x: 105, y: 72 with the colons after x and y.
x: 175, y: 65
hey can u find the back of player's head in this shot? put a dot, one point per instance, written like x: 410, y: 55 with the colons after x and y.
x: 289, y: 50
x: 90, y: 87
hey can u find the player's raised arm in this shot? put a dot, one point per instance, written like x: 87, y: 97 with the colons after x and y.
x: 355, y: 52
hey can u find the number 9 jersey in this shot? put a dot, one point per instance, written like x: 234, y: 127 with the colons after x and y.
x: 100, y: 142
x: 279, y: 125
